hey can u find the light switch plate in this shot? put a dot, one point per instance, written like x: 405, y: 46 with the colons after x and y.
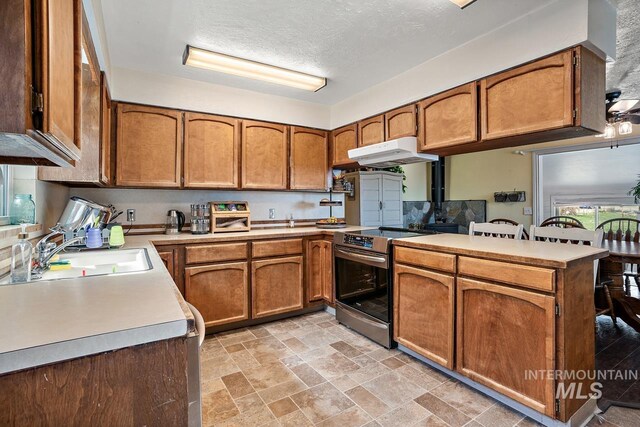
x: 528, y: 210
x: 272, y: 213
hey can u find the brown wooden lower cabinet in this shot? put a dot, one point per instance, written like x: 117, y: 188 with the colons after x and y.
x: 424, y: 312
x: 276, y: 286
x: 219, y: 291
x: 134, y: 386
x: 503, y: 333
x: 319, y: 267
x: 168, y: 258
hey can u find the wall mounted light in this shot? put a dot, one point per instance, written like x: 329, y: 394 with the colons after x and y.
x: 209, y: 60
x: 625, y: 127
x: 462, y: 3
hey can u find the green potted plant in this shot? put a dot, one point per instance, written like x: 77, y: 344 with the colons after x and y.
x: 635, y: 192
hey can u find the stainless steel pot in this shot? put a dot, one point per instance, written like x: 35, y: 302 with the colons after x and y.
x: 81, y: 214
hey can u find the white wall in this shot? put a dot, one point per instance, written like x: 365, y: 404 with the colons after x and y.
x: 152, y: 205
x: 416, y: 181
x: 551, y: 28
x: 50, y: 198
x: 176, y: 92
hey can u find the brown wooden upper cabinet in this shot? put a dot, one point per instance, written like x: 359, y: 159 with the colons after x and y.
x: 342, y: 140
x: 400, y: 122
x: 264, y: 155
x: 371, y: 131
x: 558, y: 91
x: 61, y: 44
x: 211, y: 151
x: 449, y: 118
x: 40, y: 76
x: 148, y: 146
x: 89, y: 168
x: 309, y: 163
x: 105, y: 132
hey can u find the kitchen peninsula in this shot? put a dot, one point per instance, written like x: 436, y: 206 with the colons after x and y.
x: 498, y: 309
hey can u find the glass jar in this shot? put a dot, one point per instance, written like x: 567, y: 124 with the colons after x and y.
x: 23, y: 209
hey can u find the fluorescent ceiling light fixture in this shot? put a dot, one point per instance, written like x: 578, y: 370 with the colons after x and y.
x: 462, y: 3
x: 201, y: 58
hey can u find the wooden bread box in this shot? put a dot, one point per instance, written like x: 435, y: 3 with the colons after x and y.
x: 230, y: 216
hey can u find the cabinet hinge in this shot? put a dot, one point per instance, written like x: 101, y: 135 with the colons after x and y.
x: 575, y: 113
x: 182, y: 180
x: 37, y: 102
x: 558, y: 310
x: 576, y: 60
x: 557, y: 406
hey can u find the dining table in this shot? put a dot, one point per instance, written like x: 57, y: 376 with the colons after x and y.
x: 622, y: 252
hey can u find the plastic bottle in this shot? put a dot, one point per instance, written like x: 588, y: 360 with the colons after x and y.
x: 21, y: 255
x: 292, y: 223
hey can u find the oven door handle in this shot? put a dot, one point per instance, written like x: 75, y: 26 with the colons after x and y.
x: 376, y: 261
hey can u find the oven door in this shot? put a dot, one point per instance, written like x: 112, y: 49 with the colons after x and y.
x: 363, y: 281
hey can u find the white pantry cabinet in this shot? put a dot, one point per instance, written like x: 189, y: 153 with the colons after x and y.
x: 377, y: 199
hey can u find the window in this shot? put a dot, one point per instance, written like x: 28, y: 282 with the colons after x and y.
x: 593, y: 214
x: 590, y: 183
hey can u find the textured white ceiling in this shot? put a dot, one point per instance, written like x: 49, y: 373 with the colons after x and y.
x: 354, y: 43
x: 624, y: 73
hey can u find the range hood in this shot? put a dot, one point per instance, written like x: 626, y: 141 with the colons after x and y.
x: 401, y: 151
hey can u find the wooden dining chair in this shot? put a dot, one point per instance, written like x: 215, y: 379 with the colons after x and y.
x: 579, y: 236
x: 624, y: 230
x: 562, y: 221
x: 525, y: 235
x: 488, y: 229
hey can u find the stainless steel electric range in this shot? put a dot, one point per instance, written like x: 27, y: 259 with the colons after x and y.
x: 363, y: 266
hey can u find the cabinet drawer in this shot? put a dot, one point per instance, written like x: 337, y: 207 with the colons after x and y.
x: 270, y: 248
x: 216, y: 253
x: 427, y: 259
x: 514, y: 274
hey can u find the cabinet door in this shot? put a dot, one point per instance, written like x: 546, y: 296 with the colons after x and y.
x: 328, y: 293
x: 60, y: 55
x: 211, y: 151
x: 371, y: 201
x: 400, y: 122
x: 423, y: 307
x: 167, y: 258
x: 391, y: 201
x: 309, y: 152
x: 449, y: 118
x: 343, y: 140
x: 219, y: 291
x: 105, y: 131
x: 276, y: 286
x: 264, y: 155
x: 502, y: 334
x: 149, y: 146
x: 315, y: 270
x: 534, y: 97
x: 87, y: 169
x: 371, y: 131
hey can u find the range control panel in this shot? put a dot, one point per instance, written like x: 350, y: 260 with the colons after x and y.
x: 355, y: 240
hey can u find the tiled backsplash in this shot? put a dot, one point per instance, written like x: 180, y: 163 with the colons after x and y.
x: 460, y: 212
x: 152, y: 205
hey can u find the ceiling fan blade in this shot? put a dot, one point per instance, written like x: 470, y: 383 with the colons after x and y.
x: 622, y: 106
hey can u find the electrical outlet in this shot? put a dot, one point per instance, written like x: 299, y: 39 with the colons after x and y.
x: 272, y: 213
x: 131, y: 215
x: 528, y: 210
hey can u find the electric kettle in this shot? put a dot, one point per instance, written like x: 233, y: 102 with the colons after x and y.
x: 175, y: 221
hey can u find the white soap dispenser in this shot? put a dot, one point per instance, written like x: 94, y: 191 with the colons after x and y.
x: 21, y: 255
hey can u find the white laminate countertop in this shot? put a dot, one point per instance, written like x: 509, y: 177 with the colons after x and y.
x: 50, y: 321
x: 545, y: 254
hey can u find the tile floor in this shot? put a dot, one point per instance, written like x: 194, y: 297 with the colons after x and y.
x: 309, y: 371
